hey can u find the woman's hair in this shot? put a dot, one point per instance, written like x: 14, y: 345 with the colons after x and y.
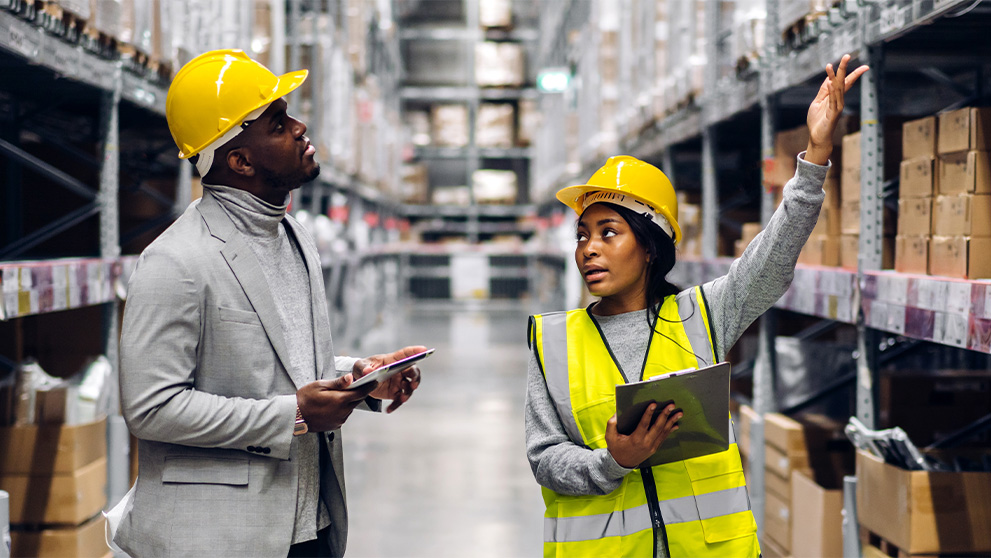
x: 660, y: 251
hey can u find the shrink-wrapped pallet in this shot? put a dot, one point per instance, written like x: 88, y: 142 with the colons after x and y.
x: 499, y: 64
x: 494, y: 126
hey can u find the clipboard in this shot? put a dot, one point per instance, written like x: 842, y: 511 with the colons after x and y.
x: 703, y: 396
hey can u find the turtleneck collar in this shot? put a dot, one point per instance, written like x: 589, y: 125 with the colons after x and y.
x: 251, y: 215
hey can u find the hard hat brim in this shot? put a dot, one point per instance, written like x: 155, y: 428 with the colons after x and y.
x: 288, y: 82
x: 572, y: 196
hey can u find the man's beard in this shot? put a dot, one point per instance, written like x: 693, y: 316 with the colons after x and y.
x: 288, y: 182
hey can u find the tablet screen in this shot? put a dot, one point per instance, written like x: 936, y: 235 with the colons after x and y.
x: 389, y: 370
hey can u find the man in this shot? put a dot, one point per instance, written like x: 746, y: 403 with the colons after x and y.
x: 228, y: 374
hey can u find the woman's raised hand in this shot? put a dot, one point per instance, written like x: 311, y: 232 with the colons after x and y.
x: 824, y: 112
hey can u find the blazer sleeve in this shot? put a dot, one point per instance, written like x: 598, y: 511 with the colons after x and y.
x: 158, y: 365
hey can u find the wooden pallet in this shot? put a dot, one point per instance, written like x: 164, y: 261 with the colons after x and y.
x: 875, y: 546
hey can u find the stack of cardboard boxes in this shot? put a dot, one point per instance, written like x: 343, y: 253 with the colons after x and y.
x: 56, y: 476
x: 915, y: 198
x: 803, y: 474
x: 690, y: 221
x: 850, y: 196
x: 961, y: 222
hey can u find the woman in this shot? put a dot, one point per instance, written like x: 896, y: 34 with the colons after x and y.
x: 598, y: 502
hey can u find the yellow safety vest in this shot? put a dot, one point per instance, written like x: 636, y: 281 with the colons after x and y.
x: 701, y: 502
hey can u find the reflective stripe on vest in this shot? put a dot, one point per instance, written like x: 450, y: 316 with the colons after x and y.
x: 634, y: 520
x: 555, y: 347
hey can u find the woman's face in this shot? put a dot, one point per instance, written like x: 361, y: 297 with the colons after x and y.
x: 612, y: 262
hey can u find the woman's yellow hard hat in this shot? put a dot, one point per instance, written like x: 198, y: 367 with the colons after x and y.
x: 632, y: 183
x: 215, y: 91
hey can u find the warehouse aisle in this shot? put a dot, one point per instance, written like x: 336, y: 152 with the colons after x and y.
x: 447, y: 475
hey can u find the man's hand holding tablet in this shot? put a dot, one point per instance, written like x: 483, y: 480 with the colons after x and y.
x: 397, y: 374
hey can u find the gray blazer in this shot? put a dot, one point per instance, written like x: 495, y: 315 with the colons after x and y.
x: 204, y: 388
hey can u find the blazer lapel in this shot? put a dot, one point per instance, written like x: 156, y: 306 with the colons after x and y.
x: 244, y: 264
x: 322, y: 342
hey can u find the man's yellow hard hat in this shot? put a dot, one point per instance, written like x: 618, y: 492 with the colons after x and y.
x: 632, y: 183
x: 215, y: 91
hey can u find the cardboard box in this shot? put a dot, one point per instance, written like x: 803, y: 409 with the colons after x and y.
x: 922, y: 512
x: 744, y: 426
x: 851, y: 151
x: 850, y: 251
x: 919, y: 138
x: 816, y: 518
x: 831, y: 186
x: 772, y: 549
x: 784, y: 433
x: 495, y: 125
x: 914, y: 216
x: 67, y: 499
x: 32, y: 449
x: 777, y: 520
x: 821, y: 250
x: 828, y: 223
x: 850, y: 217
x: 499, y: 64
x: 950, y: 256
x: 850, y: 183
x: 494, y: 186
x: 773, y: 479
x: 782, y: 462
x: 530, y: 119
x: 750, y: 231
x: 88, y: 539
x: 912, y: 254
x: 850, y: 174
x: 962, y: 215
x: 917, y: 178
x: 965, y: 172
x: 966, y: 129
x: 449, y: 125
x: 415, y: 185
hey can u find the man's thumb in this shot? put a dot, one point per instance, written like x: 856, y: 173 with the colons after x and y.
x: 341, y: 382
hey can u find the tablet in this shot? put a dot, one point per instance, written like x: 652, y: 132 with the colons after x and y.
x: 389, y: 370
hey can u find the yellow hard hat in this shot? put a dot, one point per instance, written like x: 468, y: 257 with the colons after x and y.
x: 643, y: 188
x: 215, y: 91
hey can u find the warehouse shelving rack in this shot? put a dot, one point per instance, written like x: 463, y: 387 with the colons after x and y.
x: 883, y: 305
x: 430, y: 270
x: 41, y: 286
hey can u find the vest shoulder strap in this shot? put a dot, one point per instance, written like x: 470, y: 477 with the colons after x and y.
x: 695, y: 320
x: 551, y: 348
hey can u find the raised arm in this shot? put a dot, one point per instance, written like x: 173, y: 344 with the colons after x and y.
x: 763, y: 273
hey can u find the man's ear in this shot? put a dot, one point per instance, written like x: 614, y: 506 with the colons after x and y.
x: 238, y: 160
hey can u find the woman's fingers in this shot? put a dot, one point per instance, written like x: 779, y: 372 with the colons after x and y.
x: 644, y: 425
x: 853, y: 77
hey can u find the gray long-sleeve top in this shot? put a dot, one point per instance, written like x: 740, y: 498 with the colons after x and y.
x: 753, y: 284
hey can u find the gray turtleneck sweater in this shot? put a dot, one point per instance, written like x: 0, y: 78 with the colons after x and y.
x: 282, y: 263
